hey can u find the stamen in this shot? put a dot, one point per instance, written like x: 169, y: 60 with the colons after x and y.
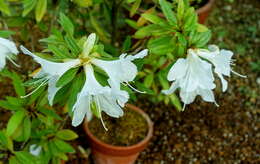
x: 42, y: 84
x: 126, y: 83
x: 183, y: 108
x: 12, y: 61
x: 243, y: 76
x: 216, y: 103
x: 98, y: 106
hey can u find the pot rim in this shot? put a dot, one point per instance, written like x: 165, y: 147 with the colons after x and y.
x: 206, y: 7
x: 125, y: 148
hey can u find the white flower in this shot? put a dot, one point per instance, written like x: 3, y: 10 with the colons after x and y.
x: 121, y: 70
x: 7, y: 49
x: 222, y: 61
x: 103, y: 97
x: 35, y: 150
x: 194, y: 75
x: 109, y: 99
x: 51, y: 72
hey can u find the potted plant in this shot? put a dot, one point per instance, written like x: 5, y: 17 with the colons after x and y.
x: 84, y: 73
x: 125, y: 139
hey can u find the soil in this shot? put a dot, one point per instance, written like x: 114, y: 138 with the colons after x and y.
x: 125, y: 131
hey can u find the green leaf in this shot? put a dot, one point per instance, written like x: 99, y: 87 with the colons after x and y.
x: 63, y: 146
x: 66, y: 24
x: 28, y: 5
x: 180, y: 10
x: 148, y: 81
x: 40, y: 10
x: 155, y: 19
x: 190, y: 20
x: 50, y: 113
x: 72, y: 45
x: 4, y: 7
x: 25, y: 157
x: 83, y: 3
x: 131, y: 23
x: 66, y: 135
x: 175, y: 101
x: 6, y: 141
x: 161, y: 45
x: 14, y: 122
x: 26, y: 129
x: 127, y: 44
x: 67, y: 77
x: 77, y: 84
x: 13, y: 160
x: 18, y: 84
x: 6, y: 33
x: 135, y: 7
x: 167, y: 11
x: 8, y: 106
x: 151, y: 30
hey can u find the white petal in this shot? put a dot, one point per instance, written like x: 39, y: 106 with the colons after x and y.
x: 52, y: 89
x: 35, y: 150
x: 120, y: 95
x: 52, y: 68
x: 187, y: 97
x: 2, y: 61
x: 9, y: 45
x: 81, y: 109
x: 109, y: 105
x: 207, y: 95
x: 121, y: 70
x: 172, y: 89
x: 139, y: 55
x: 223, y: 82
x: 89, y: 44
x: 178, y: 70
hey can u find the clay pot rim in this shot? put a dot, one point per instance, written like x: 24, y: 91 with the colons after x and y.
x: 206, y: 7
x: 125, y: 148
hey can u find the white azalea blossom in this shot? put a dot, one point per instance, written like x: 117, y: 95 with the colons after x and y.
x: 194, y: 75
x: 110, y: 98
x: 105, y: 98
x: 51, y: 72
x: 7, y: 49
x: 35, y: 150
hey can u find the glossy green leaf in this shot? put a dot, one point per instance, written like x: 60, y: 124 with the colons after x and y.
x: 67, y: 77
x: 40, y: 10
x: 66, y: 24
x: 134, y: 7
x: 14, y: 122
x: 167, y: 11
x: 28, y: 5
x: 63, y: 146
x: 66, y: 135
x: 4, y: 7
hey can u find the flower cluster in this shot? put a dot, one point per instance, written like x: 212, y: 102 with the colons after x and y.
x: 194, y: 75
x: 109, y: 99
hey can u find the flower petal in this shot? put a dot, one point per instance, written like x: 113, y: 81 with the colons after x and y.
x: 89, y: 44
x: 178, y: 70
x: 52, y: 68
x: 172, y: 89
x: 9, y: 46
x: 81, y: 109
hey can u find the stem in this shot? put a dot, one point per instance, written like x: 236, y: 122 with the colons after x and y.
x: 114, y: 21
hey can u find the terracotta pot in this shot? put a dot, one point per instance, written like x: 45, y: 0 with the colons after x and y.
x: 204, y: 11
x: 108, y: 154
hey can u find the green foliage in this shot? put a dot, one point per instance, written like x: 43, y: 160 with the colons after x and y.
x: 32, y: 123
